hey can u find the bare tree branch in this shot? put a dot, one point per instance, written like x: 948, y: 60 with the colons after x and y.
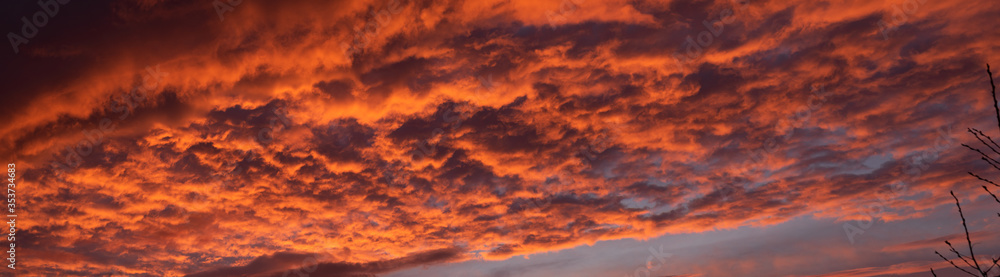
x: 991, y: 163
x: 952, y: 248
x: 984, y: 141
x: 994, y: 91
x: 991, y: 266
x: 991, y: 194
x: 965, y: 227
x: 987, y: 137
x: 953, y: 264
x: 984, y: 179
x: 972, y: 254
x: 981, y: 153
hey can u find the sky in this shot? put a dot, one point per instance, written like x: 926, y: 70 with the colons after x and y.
x: 497, y: 138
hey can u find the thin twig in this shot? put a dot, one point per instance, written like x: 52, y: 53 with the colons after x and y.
x: 953, y: 264
x: 991, y: 194
x: 980, y: 152
x: 983, y: 141
x: 991, y: 267
x: 952, y: 248
x: 995, y: 261
x: 987, y: 137
x: 966, y: 227
x: 994, y: 91
x: 992, y: 164
x: 984, y: 179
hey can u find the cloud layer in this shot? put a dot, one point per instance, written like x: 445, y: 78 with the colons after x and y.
x: 189, y: 138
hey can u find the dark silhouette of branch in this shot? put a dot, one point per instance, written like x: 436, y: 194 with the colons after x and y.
x: 984, y: 141
x: 991, y: 194
x: 995, y: 260
x: 984, y: 179
x: 980, y: 133
x: 991, y: 163
x: 994, y: 91
x: 967, y: 238
x: 998, y: 214
x: 974, y: 263
x: 983, y: 154
x: 952, y: 248
x: 953, y: 264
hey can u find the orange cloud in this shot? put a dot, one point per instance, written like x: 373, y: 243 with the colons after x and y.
x: 500, y: 128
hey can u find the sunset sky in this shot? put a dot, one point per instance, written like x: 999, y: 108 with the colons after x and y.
x: 497, y: 138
